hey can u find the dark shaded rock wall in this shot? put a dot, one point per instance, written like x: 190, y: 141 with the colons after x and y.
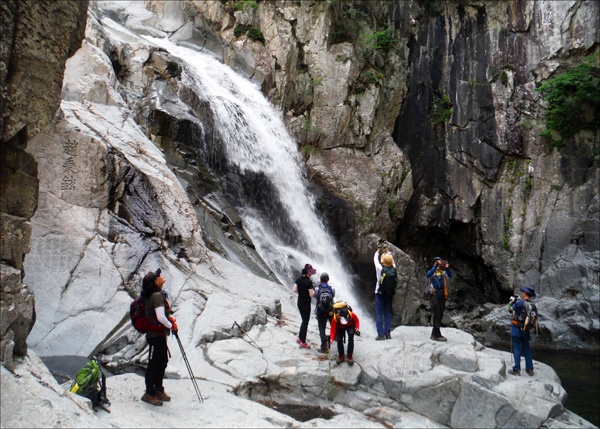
x: 37, y: 39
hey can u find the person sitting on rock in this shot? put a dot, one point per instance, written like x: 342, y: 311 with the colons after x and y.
x: 344, y: 321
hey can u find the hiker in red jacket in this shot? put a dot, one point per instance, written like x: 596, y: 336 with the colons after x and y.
x: 344, y: 322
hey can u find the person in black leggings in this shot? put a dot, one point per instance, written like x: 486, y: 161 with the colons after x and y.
x: 304, y: 287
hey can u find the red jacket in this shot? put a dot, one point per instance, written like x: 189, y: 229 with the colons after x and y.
x: 335, y: 323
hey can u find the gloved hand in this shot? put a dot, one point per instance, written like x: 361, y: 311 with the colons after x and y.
x: 512, y: 299
x: 174, y: 323
x: 357, y: 332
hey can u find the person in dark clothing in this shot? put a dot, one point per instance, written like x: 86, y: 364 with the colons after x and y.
x: 438, y: 275
x: 324, y: 314
x: 159, y: 314
x: 304, y: 287
x: 344, y: 322
x: 520, y: 310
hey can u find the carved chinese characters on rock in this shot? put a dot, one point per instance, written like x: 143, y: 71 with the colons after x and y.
x: 69, y: 168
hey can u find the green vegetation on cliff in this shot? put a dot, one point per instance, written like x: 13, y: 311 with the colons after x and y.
x: 573, y: 99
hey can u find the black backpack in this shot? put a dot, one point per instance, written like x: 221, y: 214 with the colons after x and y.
x: 325, y: 300
x: 387, y: 286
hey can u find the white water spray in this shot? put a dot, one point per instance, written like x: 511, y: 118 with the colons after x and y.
x: 256, y: 140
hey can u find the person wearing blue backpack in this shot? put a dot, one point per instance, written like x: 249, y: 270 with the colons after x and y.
x: 158, y: 312
x: 324, y: 309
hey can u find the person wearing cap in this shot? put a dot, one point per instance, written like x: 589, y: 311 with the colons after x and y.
x: 345, y: 321
x: 438, y: 275
x: 383, y: 306
x: 158, y: 311
x: 324, y: 315
x: 305, y: 289
x: 520, y: 308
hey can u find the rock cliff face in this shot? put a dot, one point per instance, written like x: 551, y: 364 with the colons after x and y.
x: 37, y: 39
x: 122, y: 191
x: 421, y: 122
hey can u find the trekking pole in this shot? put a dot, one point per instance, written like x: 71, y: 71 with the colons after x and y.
x: 189, y: 368
x: 246, y: 334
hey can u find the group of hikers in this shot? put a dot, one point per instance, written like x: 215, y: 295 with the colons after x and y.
x: 344, y: 322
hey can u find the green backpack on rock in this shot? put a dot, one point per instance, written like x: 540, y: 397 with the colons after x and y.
x: 90, y: 382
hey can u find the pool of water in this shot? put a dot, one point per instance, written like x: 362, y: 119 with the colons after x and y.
x: 579, y: 374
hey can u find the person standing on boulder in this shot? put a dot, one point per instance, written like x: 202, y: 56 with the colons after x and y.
x: 383, y: 306
x: 344, y: 321
x: 325, y: 294
x: 304, y: 287
x: 158, y: 311
x: 438, y: 275
x: 520, y: 310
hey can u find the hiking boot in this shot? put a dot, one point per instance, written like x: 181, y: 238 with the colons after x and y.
x: 340, y: 359
x: 323, y: 350
x: 388, y: 336
x: 163, y: 396
x: 529, y: 372
x: 514, y: 372
x: 151, y: 399
x: 439, y: 338
x: 303, y: 345
x: 350, y: 360
x: 379, y: 338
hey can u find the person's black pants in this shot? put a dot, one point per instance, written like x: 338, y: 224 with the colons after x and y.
x: 339, y: 336
x: 304, y: 307
x: 157, y: 364
x: 438, y: 306
x: 322, y: 319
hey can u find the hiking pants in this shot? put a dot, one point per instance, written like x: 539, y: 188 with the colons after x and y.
x: 322, y: 321
x: 438, y: 306
x: 304, y: 307
x: 339, y: 337
x: 383, y: 313
x: 520, y: 344
x: 157, y: 364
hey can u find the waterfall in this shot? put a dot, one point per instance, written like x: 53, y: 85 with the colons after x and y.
x: 277, y: 209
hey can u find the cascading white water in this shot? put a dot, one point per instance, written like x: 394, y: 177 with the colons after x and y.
x: 256, y: 140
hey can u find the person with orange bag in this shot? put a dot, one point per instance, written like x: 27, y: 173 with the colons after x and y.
x: 438, y: 276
